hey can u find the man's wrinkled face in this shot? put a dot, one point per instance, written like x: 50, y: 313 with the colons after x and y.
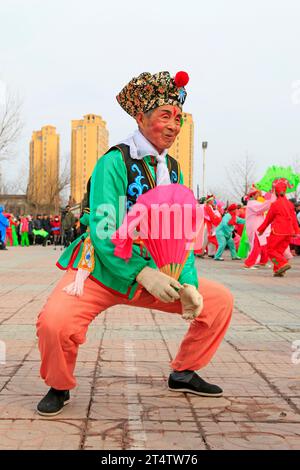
x: 160, y: 126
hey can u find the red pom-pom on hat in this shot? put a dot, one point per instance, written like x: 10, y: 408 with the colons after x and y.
x: 181, y: 79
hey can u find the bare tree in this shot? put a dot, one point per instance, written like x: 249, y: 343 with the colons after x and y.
x: 17, y: 185
x: 241, y: 176
x: 22, y: 182
x: 6, y: 187
x: 1, y: 182
x: 221, y: 194
x: 52, y: 192
x: 58, y: 190
x: 10, y: 124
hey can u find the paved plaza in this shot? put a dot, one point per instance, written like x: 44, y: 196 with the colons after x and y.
x: 122, y: 400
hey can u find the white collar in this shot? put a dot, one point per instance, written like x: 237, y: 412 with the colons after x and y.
x: 140, y: 147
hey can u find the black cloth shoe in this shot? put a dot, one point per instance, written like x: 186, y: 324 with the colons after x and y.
x: 279, y: 274
x: 284, y: 268
x: 190, y: 382
x: 53, y: 402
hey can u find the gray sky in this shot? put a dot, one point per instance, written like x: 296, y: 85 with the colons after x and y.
x: 68, y: 58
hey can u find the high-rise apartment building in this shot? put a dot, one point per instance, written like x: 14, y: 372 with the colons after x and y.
x: 43, y: 185
x: 183, y: 149
x: 89, y: 143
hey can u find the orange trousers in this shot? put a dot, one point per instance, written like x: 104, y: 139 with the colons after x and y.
x: 64, y: 320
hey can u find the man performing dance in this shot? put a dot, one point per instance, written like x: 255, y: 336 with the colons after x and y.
x: 284, y: 225
x: 127, y: 170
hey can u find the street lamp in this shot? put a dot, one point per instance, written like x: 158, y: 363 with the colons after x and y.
x: 204, y: 147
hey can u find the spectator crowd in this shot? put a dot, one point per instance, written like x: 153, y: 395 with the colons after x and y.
x: 42, y: 229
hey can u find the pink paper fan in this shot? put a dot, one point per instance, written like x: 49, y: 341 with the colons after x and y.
x: 168, y: 220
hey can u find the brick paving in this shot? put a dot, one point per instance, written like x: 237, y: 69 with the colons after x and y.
x: 122, y: 400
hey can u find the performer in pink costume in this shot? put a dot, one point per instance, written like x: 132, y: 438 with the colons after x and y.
x: 255, y: 215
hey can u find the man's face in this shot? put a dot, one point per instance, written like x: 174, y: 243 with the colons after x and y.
x: 161, y: 127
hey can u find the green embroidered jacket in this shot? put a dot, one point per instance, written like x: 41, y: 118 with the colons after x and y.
x: 108, y: 185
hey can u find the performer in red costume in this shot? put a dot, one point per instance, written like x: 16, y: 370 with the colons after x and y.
x: 55, y: 228
x: 9, y: 230
x: 212, y: 219
x: 284, y: 225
